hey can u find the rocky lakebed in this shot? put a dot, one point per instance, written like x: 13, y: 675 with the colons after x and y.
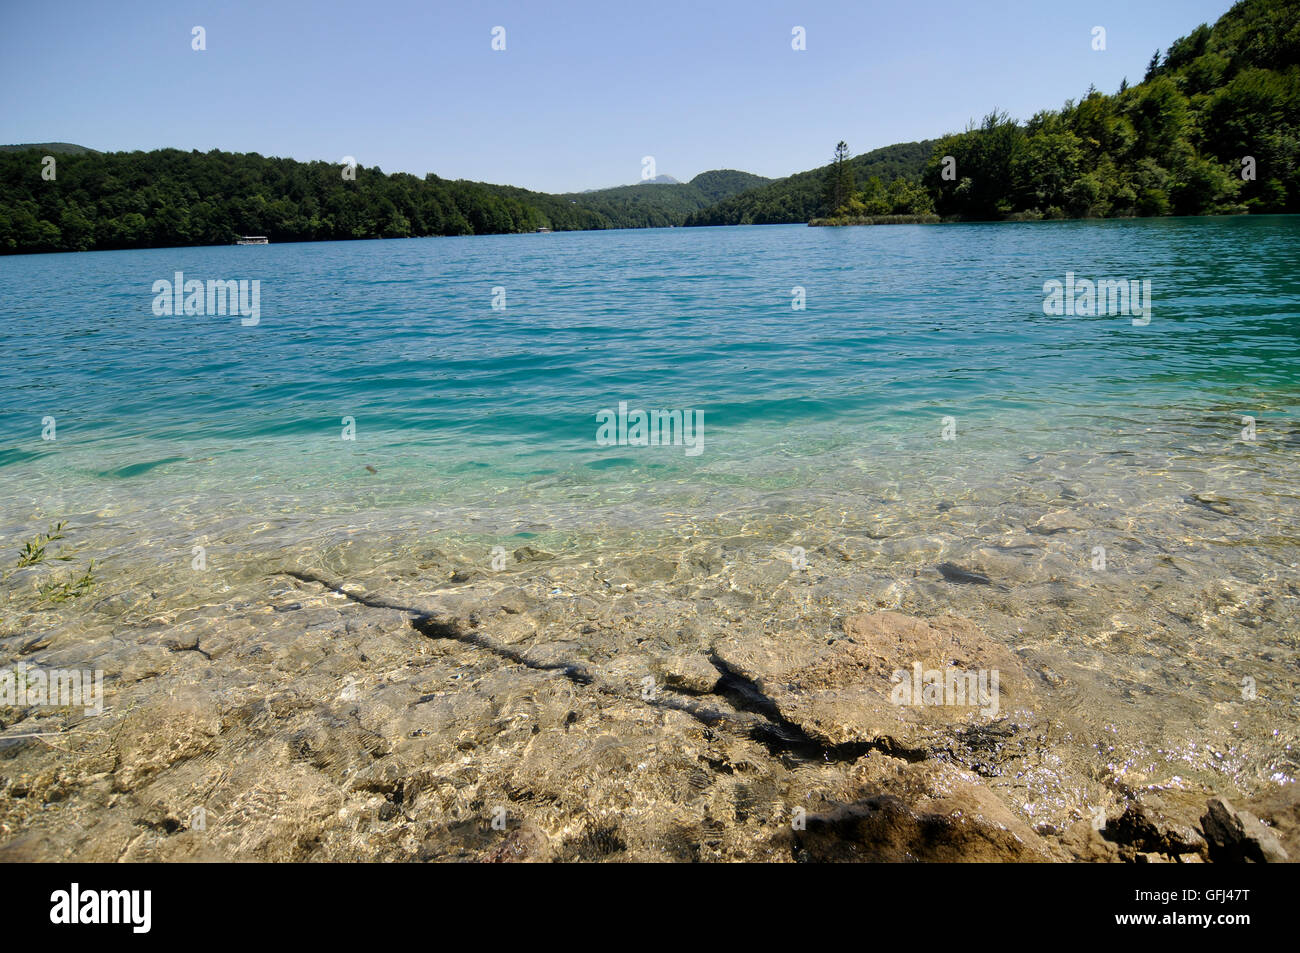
x: 706, y: 699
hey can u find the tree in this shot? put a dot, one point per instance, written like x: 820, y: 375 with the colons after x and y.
x: 1152, y: 67
x: 839, y: 180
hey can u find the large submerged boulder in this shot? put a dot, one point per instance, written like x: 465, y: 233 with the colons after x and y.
x: 892, y: 680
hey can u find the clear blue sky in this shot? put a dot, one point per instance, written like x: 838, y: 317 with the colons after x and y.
x: 582, y: 91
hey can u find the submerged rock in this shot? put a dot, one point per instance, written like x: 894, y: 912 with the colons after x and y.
x: 691, y: 673
x: 895, y: 681
x: 528, y: 554
x: 897, y: 810
x: 1236, y: 836
x: 966, y: 827
x: 1151, y: 827
x: 954, y: 573
x: 526, y: 844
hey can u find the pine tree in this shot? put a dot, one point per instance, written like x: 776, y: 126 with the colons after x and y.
x: 1152, y: 66
x: 839, y: 180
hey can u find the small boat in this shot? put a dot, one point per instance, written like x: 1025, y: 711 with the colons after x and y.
x: 543, y: 231
x: 253, y: 240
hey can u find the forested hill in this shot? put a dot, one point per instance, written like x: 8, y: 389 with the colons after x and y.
x: 723, y: 183
x: 645, y: 205
x: 798, y: 198
x: 168, y: 197
x: 1213, y: 127
x: 47, y: 148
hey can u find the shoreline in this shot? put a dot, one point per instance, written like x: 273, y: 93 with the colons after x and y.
x: 816, y: 222
x: 879, y: 220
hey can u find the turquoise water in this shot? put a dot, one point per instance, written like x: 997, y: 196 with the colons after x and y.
x: 823, y: 438
x: 902, y: 326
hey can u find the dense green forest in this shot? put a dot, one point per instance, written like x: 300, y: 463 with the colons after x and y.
x: 800, y: 197
x: 1214, y: 127
x: 168, y: 197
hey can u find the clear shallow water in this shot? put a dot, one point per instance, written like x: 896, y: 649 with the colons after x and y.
x: 903, y: 326
x: 822, y: 429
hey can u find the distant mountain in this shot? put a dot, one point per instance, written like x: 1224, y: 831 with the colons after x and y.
x: 656, y: 203
x: 57, y: 148
x: 646, y: 205
x: 723, y: 183
x: 797, y: 198
x: 657, y: 180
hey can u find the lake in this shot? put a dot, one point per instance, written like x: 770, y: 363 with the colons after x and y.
x: 851, y: 418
